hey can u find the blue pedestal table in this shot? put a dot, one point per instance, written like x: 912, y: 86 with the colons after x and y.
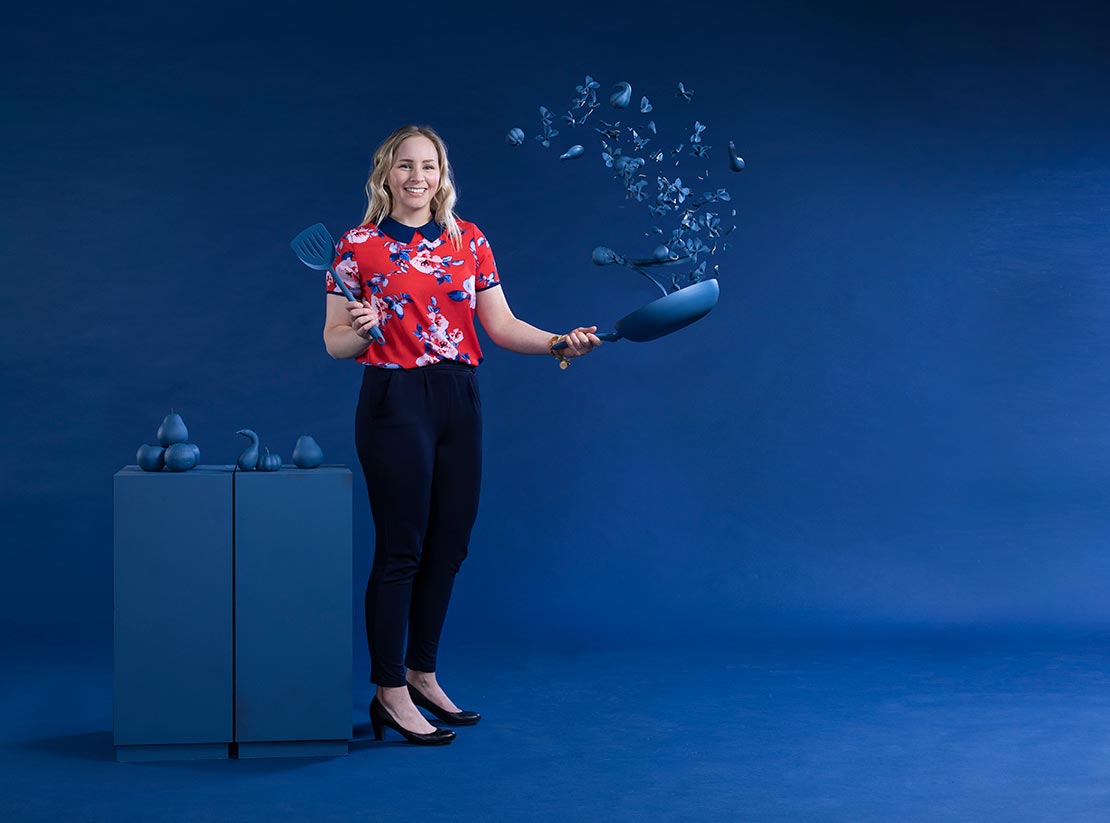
x: 232, y: 595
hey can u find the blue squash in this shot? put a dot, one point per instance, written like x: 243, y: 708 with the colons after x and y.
x: 735, y: 161
x: 248, y: 460
x: 269, y: 462
x: 621, y: 97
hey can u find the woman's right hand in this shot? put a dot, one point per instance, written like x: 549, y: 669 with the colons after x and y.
x: 364, y: 317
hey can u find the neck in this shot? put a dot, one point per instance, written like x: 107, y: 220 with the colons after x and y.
x: 414, y: 218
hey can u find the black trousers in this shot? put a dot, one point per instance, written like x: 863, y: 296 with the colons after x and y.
x: 419, y: 438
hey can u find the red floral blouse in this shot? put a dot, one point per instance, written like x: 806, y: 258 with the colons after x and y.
x: 423, y: 287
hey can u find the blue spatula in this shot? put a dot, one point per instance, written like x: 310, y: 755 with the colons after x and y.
x: 315, y: 248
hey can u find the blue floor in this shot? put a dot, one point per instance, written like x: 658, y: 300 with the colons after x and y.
x: 914, y: 727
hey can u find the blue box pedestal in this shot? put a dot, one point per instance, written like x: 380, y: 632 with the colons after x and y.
x: 190, y: 751
x: 293, y: 669
x: 172, y: 668
x: 307, y: 748
x: 232, y: 613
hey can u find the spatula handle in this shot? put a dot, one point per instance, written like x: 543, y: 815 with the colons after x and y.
x: 375, y: 332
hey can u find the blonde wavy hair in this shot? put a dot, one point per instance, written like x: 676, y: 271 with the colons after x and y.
x: 380, y: 199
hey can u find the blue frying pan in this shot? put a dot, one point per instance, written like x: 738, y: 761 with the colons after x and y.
x: 664, y: 315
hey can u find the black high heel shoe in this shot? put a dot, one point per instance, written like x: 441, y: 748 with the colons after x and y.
x: 380, y: 716
x: 451, y: 718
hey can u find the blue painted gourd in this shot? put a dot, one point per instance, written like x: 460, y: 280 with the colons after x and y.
x: 735, y: 161
x: 248, y: 460
x: 620, y: 98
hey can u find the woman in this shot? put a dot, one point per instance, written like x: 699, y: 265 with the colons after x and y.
x: 420, y: 274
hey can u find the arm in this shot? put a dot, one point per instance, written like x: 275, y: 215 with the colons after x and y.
x: 343, y: 318
x: 509, y: 332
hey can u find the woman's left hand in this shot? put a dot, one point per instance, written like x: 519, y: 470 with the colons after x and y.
x: 580, y: 341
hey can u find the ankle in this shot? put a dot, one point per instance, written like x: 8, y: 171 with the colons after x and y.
x: 391, y: 694
x: 420, y: 678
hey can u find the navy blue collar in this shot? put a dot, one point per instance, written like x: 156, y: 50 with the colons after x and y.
x: 404, y: 234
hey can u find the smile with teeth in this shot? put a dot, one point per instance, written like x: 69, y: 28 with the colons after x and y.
x: 415, y: 191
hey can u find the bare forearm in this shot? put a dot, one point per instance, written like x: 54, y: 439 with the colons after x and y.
x: 342, y: 343
x: 522, y: 338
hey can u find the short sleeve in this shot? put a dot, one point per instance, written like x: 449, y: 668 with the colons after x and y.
x: 346, y: 267
x: 486, y: 268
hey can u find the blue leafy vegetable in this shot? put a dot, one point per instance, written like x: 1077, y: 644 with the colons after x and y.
x: 623, y: 150
x: 589, y: 87
x: 611, y: 130
x: 546, y: 118
x: 604, y: 256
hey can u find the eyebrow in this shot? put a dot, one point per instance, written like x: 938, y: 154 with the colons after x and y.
x: 410, y: 160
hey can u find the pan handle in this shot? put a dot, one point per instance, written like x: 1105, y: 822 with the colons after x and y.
x: 607, y: 336
x: 375, y: 332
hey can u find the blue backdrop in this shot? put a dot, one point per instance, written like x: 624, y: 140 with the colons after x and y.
x: 894, y: 416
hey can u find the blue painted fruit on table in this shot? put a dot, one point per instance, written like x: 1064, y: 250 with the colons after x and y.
x: 196, y: 450
x: 150, y: 458
x: 307, y: 454
x: 269, y: 462
x: 248, y: 460
x: 172, y: 430
x: 180, y: 457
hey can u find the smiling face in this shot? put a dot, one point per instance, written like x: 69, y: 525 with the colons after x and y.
x: 414, y: 180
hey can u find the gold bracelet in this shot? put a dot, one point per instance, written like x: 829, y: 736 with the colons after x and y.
x: 563, y: 362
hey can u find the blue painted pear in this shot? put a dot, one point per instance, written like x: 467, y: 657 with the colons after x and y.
x: 307, y: 454
x: 172, y: 430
